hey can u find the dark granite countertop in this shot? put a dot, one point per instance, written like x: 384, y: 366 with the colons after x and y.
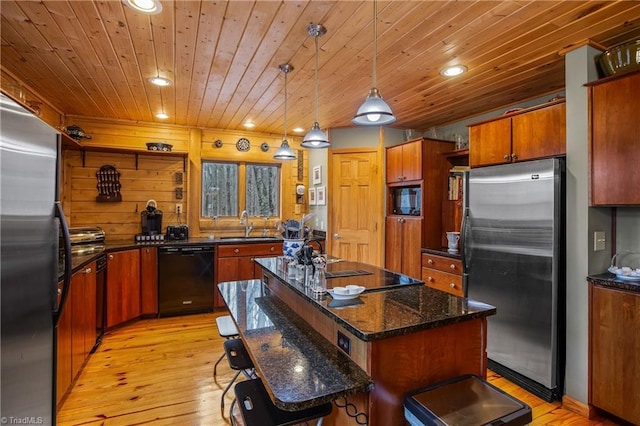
x: 299, y: 368
x: 383, y: 312
x: 441, y: 252
x: 612, y: 281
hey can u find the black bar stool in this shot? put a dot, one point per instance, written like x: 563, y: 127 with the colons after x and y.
x: 228, y: 330
x: 239, y: 360
x: 258, y: 410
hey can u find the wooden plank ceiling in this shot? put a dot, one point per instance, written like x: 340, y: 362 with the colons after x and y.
x: 92, y: 58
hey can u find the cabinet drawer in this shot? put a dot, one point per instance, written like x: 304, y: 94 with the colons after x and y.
x: 443, y: 281
x: 442, y: 263
x: 234, y: 250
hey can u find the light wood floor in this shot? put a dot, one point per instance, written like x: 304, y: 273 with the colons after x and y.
x: 160, y: 372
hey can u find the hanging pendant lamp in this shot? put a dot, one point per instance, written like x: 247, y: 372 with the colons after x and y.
x: 316, y: 138
x: 285, y: 152
x: 374, y: 111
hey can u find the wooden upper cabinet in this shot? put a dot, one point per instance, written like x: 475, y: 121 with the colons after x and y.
x: 536, y: 132
x: 490, y: 143
x: 615, y: 141
x: 540, y: 133
x: 404, y: 162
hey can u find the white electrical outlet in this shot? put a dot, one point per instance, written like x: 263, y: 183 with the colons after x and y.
x: 179, y: 208
x: 599, y: 241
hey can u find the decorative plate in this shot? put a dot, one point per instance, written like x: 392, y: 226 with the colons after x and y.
x: 243, y: 144
x: 264, y: 147
x: 218, y: 143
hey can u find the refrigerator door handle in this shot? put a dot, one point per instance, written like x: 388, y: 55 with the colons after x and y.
x: 66, y: 283
x: 465, y: 253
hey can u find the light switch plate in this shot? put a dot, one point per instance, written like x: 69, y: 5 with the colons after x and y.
x: 599, y: 241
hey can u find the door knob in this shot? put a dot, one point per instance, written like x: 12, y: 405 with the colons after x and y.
x: 336, y: 236
x: 514, y: 157
x: 506, y: 157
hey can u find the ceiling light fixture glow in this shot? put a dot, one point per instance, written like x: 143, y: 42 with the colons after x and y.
x: 249, y: 124
x: 453, y: 70
x: 374, y: 111
x: 150, y: 7
x: 298, y: 129
x: 159, y: 81
x: 285, y: 152
x: 316, y: 138
x: 162, y: 115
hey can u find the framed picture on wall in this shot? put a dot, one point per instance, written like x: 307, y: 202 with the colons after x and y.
x: 312, y: 196
x: 321, y: 196
x: 317, y: 175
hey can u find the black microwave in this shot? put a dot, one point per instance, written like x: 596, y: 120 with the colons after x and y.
x: 406, y: 200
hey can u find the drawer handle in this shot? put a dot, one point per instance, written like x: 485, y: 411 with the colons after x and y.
x: 430, y: 261
x: 452, y: 285
x: 453, y: 266
x: 506, y: 157
x: 272, y: 249
x: 87, y: 271
x: 430, y: 279
x: 236, y: 250
x: 110, y: 257
x: 514, y: 157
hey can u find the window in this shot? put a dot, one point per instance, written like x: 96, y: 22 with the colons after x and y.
x: 221, y: 189
x: 261, y: 190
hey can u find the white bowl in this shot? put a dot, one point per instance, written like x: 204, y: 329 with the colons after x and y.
x: 354, y: 289
x: 340, y: 290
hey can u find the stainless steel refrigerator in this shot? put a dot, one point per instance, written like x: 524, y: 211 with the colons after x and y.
x: 29, y: 228
x: 514, y: 258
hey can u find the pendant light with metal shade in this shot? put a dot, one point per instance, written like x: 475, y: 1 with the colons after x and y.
x: 316, y: 138
x: 285, y: 152
x: 374, y: 111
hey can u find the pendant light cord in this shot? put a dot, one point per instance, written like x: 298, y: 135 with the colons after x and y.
x: 375, y: 44
x: 285, y: 105
x: 316, y: 40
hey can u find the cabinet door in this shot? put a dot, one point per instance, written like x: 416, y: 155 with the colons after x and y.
x: 75, y: 302
x: 394, y: 164
x: 490, y: 143
x: 615, y: 358
x: 149, y: 280
x: 393, y: 244
x: 89, y: 310
x: 411, y: 246
x: 539, y: 133
x: 615, y: 152
x: 412, y: 160
x: 123, y: 286
x: 64, y: 350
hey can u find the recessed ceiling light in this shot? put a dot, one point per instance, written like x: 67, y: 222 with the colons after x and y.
x: 159, y: 81
x: 298, y: 130
x: 150, y: 7
x: 453, y: 71
x: 162, y: 116
x: 249, y: 124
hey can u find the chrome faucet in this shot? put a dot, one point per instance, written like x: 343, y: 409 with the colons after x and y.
x: 244, y: 220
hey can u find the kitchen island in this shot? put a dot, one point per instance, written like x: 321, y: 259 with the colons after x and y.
x: 399, y: 332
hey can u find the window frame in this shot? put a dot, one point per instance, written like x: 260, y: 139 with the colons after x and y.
x: 206, y: 222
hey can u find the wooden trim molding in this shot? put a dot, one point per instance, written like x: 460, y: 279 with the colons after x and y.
x: 578, y: 407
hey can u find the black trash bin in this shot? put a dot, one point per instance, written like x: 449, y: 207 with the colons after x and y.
x: 466, y: 400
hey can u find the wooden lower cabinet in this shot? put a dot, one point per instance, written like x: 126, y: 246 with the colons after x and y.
x: 614, y: 344
x: 235, y: 262
x: 64, y: 350
x: 403, y: 244
x: 76, y: 328
x: 442, y: 273
x: 123, y: 286
x: 149, y: 281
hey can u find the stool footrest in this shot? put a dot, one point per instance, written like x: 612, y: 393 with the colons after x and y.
x: 226, y: 326
x: 257, y: 409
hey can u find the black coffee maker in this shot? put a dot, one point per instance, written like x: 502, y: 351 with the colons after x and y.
x: 151, y: 219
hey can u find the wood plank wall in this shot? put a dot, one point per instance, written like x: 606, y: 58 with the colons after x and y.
x: 154, y: 175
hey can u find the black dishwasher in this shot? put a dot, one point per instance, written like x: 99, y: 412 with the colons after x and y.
x: 185, y: 280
